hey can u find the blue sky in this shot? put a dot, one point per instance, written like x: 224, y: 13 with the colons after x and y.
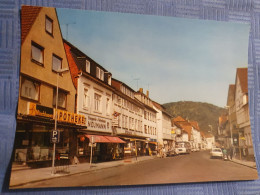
x: 175, y: 59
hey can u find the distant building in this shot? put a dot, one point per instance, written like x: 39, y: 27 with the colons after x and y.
x: 128, y: 119
x: 164, y: 127
x: 149, y: 120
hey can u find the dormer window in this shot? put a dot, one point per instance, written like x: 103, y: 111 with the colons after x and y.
x: 245, y: 99
x: 100, y: 73
x: 87, y: 66
x: 49, y: 25
x: 109, y: 79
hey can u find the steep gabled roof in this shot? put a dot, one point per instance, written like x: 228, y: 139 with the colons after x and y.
x: 28, y: 16
x: 242, y: 76
x: 74, y: 70
x: 231, y: 94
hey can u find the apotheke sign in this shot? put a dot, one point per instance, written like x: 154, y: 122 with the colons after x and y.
x: 63, y: 116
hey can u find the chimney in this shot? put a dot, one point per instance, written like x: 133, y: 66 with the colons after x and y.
x: 141, y: 90
x: 147, y: 93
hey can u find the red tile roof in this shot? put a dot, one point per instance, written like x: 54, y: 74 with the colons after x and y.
x: 74, y: 71
x: 195, y: 124
x: 231, y: 94
x: 28, y: 16
x: 242, y: 76
x: 178, y: 119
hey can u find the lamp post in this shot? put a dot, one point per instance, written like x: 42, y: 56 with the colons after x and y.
x: 60, y: 71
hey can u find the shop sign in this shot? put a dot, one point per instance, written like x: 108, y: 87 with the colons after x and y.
x: 38, y: 110
x: 128, y: 132
x: 97, y: 123
x: 69, y: 117
x: 63, y: 116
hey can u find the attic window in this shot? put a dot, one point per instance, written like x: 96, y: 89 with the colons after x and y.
x: 109, y: 79
x: 100, y: 73
x: 244, y: 99
x: 49, y: 25
x: 87, y: 66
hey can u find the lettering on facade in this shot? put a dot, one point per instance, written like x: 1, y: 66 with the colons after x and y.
x: 128, y: 132
x: 63, y: 116
x: 97, y: 123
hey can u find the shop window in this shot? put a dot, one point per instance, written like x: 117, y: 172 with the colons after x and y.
x: 97, y: 102
x: 56, y: 63
x: 62, y: 98
x: 49, y: 25
x: 37, y: 53
x: 30, y: 89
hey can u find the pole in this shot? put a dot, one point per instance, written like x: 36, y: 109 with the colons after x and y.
x: 91, y: 150
x: 55, y: 127
x: 135, y: 151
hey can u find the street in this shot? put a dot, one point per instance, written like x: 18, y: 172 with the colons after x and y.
x: 194, y: 167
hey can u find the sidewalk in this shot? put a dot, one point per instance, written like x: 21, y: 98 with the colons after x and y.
x: 24, y: 175
x: 247, y: 163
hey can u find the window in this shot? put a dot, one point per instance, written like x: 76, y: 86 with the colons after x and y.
x: 108, y: 106
x: 100, y: 73
x: 86, y: 98
x: 87, y: 66
x: 49, y: 25
x: 109, y: 79
x: 97, y: 102
x: 145, y: 129
x: 37, y: 53
x: 62, y: 97
x: 30, y: 89
x: 56, y: 63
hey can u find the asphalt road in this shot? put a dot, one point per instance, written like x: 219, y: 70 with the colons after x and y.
x: 194, y: 167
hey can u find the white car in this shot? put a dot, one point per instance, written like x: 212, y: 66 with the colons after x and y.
x: 216, y: 153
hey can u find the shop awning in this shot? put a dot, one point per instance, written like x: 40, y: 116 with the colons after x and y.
x: 105, y: 139
x: 98, y: 138
x: 114, y: 139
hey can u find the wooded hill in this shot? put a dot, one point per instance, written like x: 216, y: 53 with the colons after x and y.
x: 205, y: 114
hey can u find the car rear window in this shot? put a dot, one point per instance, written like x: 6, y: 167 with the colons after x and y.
x: 216, y: 150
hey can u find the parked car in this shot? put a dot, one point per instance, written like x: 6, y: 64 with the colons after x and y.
x: 216, y: 153
x: 183, y: 147
x: 172, y: 152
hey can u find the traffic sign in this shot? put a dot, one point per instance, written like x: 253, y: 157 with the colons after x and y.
x: 55, y: 136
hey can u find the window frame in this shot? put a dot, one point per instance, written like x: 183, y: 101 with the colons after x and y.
x: 86, y: 102
x: 54, y: 98
x: 47, y: 18
x: 97, y: 101
x: 41, y: 48
x: 59, y: 58
x: 87, y: 66
x: 33, y: 81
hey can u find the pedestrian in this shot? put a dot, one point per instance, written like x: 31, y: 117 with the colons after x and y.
x: 231, y: 152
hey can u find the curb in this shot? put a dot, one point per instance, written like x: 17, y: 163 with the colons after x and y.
x: 13, y: 187
x: 252, y: 167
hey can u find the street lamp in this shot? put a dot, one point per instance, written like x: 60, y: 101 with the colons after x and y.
x: 60, y: 71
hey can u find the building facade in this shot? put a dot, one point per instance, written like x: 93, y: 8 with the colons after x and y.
x: 42, y: 56
x: 95, y: 102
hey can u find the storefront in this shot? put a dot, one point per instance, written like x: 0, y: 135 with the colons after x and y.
x: 33, y: 143
x: 104, y: 148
